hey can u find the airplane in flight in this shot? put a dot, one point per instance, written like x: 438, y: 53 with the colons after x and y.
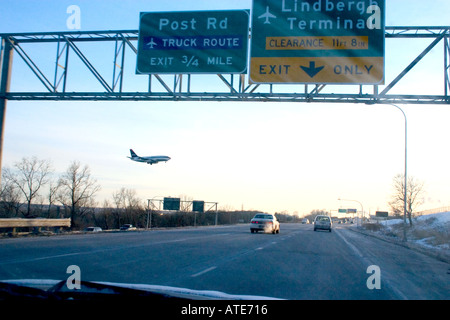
x: 267, y: 15
x: 150, y: 160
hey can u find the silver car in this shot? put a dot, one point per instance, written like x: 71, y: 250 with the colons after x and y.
x: 322, y: 222
x: 264, y: 222
x: 127, y: 227
x: 93, y: 229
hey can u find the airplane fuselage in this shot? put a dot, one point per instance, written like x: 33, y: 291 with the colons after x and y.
x: 152, y: 159
x: 149, y: 160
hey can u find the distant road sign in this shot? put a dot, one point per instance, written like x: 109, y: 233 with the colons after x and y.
x: 193, y: 42
x: 171, y: 204
x: 382, y: 214
x: 198, y: 206
x: 318, y: 41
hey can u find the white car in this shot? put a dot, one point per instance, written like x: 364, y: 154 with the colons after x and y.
x: 93, y: 229
x: 264, y: 222
x: 323, y: 223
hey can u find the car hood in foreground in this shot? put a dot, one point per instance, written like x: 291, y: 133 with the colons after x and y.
x: 42, y: 289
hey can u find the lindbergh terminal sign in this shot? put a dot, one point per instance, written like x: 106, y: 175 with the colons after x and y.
x: 317, y: 41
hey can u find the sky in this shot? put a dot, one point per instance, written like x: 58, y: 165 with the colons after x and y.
x: 274, y: 157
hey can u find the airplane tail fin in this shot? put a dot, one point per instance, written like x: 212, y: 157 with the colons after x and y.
x: 133, y: 154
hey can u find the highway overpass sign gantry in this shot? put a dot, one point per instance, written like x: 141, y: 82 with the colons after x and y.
x: 318, y: 41
x: 193, y: 42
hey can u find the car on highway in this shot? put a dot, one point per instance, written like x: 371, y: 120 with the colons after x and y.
x: 323, y: 223
x: 93, y: 229
x: 264, y: 222
x: 127, y: 227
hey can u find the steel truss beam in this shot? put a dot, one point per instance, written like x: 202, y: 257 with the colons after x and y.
x: 179, y: 87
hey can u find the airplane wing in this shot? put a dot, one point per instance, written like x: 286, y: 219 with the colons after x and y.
x: 267, y: 14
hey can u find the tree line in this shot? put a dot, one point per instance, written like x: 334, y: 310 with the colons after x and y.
x: 31, y: 183
x: 415, y: 197
x: 31, y: 189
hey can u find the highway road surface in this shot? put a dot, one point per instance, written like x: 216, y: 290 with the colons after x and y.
x: 296, y: 264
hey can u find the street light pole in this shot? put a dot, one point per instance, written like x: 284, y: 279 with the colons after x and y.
x: 405, y: 194
x: 362, y: 208
x: 6, y: 62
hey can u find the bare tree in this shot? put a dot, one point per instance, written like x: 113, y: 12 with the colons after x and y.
x: 119, y: 198
x: 104, y: 218
x: 185, y: 203
x: 316, y: 212
x: 414, y: 195
x: 52, y: 195
x: 77, y: 189
x: 128, y: 205
x: 10, y: 198
x: 31, y: 174
x: 119, y: 201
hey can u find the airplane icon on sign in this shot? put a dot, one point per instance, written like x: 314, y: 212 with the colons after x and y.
x: 151, y: 44
x: 267, y: 15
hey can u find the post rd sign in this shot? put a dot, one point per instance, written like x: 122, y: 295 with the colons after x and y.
x: 193, y: 42
x: 317, y: 41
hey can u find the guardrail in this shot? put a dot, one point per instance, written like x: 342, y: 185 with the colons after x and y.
x: 36, y: 223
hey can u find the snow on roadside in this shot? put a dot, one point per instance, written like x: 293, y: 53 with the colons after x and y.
x: 437, y: 219
x: 428, y: 231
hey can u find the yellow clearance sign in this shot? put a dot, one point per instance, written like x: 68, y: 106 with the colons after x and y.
x: 317, y: 41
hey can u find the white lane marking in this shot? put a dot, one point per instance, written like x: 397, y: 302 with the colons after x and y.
x: 351, y: 246
x: 115, y: 248
x: 203, y: 272
x: 94, y: 251
x: 366, y: 261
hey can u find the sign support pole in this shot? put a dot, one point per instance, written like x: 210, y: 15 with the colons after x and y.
x: 6, y: 59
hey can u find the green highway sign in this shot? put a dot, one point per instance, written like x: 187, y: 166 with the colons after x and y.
x: 382, y: 214
x: 198, y: 206
x: 171, y: 204
x: 318, y: 41
x: 193, y: 42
